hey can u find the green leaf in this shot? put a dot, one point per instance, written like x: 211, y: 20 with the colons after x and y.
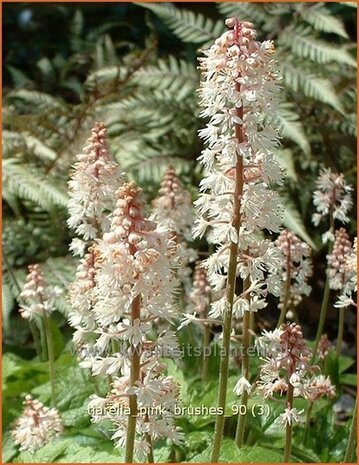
x: 78, y: 454
x: 57, y: 339
x: 306, y: 45
x: 246, y: 11
x: 169, y: 75
x: 9, y: 449
x: 293, y: 221
x: 291, y: 128
x: 8, y: 302
x: 285, y: 159
x: 188, y: 26
x: 318, y: 88
x: 231, y: 454
x: 47, y: 454
x: 349, y: 379
x: 318, y: 15
x: 27, y: 182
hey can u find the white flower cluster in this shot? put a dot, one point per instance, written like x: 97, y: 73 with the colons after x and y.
x: 173, y: 210
x: 239, y: 94
x: 295, y: 269
x: 92, y: 188
x: 36, y: 296
x: 128, y: 283
x: 37, y: 425
x: 342, y: 268
x: 332, y: 198
x: 287, y: 364
x: 82, y: 299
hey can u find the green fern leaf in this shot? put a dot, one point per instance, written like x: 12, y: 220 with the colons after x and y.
x: 306, y: 45
x: 8, y: 302
x: 188, y: 26
x: 320, y: 18
x: 291, y: 128
x: 285, y: 160
x: 293, y: 221
x: 36, y: 100
x: 29, y: 183
x: 172, y: 75
x: 313, y: 86
x: 245, y: 11
x: 38, y: 148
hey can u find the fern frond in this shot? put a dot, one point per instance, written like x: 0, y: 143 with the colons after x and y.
x: 105, y: 76
x: 293, y: 221
x: 36, y: 100
x: 28, y: 183
x: 8, y: 303
x: 188, y: 26
x: 286, y: 161
x: 169, y: 75
x: 320, y: 18
x: 318, y: 88
x: 306, y: 45
x: 38, y: 148
x: 291, y: 128
x: 246, y: 11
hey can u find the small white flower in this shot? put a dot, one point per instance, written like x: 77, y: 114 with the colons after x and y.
x: 289, y: 417
x: 242, y: 385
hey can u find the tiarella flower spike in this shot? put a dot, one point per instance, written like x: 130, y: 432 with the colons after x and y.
x: 238, y: 93
x: 134, y: 287
x: 342, y: 269
x: 295, y: 269
x: 287, y: 366
x: 92, y: 188
x: 173, y: 210
x: 200, y: 295
x: 37, y: 297
x: 332, y: 198
x: 37, y: 425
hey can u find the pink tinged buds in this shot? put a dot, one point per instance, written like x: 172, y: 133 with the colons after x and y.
x: 342, y: 268
x: 296, y: 267
x: 200, y: 295
x: 239, y: 83
x: 92, y: 188
x: 37, y: 426
x: 134, y: 264
x: 172, y: 208
x: 36, y: 296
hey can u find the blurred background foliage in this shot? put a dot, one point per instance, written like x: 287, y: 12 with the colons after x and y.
x: 134, y: 66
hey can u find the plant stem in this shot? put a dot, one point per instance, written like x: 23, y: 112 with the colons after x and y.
x: 36, y: 338
x: 205, y: 359
x: 323, y: 314
x: 50, y: 349
x: 231, y: 285
x: 288, y: 429
x: 324, y: 307
x: 134, y: 377
x: 150, y: 457
x: 44, y: 350
x: 251, y: 326
x: 340, y: 330
x: 286, y: 293
x: 307, y: 423
x: 245, y: 373
x: 352, y: 441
